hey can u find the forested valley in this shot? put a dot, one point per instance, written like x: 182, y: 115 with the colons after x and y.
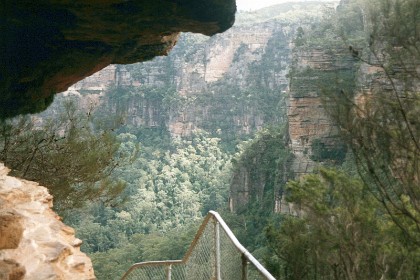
x: 299, y: 126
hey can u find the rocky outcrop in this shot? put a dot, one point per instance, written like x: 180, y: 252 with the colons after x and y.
x: 49, y: 45
x: 34, y: 243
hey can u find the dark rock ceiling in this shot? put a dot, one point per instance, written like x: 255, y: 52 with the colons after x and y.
x: 48, y: 45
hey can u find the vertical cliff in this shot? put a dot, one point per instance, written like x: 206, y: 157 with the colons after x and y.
x: 320, y: 67
x: 316, y: 72
x: 228, y: 84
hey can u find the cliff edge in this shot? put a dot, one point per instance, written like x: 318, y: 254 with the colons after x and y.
x: 34, y: 243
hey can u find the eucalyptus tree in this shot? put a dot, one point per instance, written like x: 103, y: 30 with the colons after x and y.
x: 378, y: 118
x: 69, y: 155
x: 342, y: 232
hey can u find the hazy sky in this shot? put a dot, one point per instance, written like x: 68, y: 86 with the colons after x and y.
x: 257, y: 4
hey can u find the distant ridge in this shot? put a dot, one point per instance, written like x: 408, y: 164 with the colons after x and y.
x: 288, y: 12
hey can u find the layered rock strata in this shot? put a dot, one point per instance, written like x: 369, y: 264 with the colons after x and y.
x: 314, y: 71
x: 34, y: 243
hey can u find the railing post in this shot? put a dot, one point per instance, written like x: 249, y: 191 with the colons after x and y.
x: 169, y: 272
x: 217, y: 244
x: 244, y: 267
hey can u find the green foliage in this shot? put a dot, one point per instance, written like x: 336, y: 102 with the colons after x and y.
x: 380, y: 124
x: 335, y: 153
x: 347, y: 228
x: 113, y: 263
x: 248, y: 104
x: 157, y: 99
x: 193, y: 176
x: 175, y: 182
x: 343, y: 233
x: 263, y: 161
x: 337, y: 29
x: 274, y: 59
x: 239, y: 52
x: 334, y: 82
x: 359, y: 227
x: 289, y: 244
x: 299, y: 40
x: 67, y: 155
x: 169, y: 191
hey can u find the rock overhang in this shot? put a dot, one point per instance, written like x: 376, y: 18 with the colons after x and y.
x: 48, y: 45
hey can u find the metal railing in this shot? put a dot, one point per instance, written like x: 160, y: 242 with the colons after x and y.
x: 214, y: 254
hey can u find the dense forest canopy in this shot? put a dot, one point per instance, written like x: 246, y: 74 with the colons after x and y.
x: 356, y: 216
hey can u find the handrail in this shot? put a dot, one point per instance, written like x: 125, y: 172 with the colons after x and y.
x: 150, y: 263
x: 241, y: 248
x: 212, y: 214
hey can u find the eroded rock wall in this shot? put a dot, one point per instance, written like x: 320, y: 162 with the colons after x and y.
x: 34, y: 243
x: 316, y: 72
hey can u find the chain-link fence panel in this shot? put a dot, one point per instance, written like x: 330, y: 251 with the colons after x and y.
x: 200, y: 262
x: 230, y: 258
x: 156, y: 271
x: 215, y: 254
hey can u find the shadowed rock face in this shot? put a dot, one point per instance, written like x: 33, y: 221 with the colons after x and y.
x: 11, y: 229
x: 48, y: 45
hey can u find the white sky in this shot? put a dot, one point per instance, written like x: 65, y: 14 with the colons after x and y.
x: 255, y: 4
x: 245, y: 5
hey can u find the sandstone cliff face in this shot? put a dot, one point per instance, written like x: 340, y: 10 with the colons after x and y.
x: 228, y: 84
x: 314, y: 70
x: 235, y: 87
x: 49, y: 45
x: 34, y: 243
